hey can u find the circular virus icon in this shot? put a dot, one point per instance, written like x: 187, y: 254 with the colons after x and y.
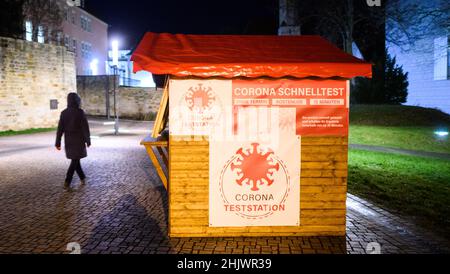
x: 200, y: 98
x: 254, y: 166
x: 254, y: 182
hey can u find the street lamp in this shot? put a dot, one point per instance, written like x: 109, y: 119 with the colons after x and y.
x: 115, y: 64
x: 94, y: 66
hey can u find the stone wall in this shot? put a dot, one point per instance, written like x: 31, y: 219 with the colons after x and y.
x: 93, y: 93
x: 132, y: 102
x: 32, y: 74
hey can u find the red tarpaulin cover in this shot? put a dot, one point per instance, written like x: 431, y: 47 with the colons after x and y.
x: 245, y: 56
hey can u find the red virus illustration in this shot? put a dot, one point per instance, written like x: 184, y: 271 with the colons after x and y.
x: 200, y: 98
x: 254, y: 167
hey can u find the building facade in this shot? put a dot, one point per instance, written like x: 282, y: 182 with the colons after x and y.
x: 125, y: 71
x: 427, y: 62
x: 289, y: 20
x: 83, y: 34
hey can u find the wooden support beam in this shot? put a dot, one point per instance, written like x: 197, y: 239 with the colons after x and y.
x: 150, y: 143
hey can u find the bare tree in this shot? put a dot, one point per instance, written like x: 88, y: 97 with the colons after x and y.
x: 338, y: 20
x: 45, y: 15
x: 408, y: 22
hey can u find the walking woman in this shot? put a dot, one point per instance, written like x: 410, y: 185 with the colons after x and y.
x: 73, y: 124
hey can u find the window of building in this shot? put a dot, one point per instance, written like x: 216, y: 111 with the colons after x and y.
x: 89, y: 25
x: 83, y: 22
x: 448, y: 57
x: 40, y: 35
x: 29, y: 31
x: 73, y: 18
x: 74, y: 46
x: 86, y: 50
x: 66, y: 41
x: 440, y: 58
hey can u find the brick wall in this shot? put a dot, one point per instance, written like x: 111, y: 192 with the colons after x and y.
x: 132, y: 102
x: 32, y: 74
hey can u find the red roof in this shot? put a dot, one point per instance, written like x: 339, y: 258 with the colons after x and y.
x: 245, y: 56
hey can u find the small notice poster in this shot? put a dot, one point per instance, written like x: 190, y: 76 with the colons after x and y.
x: 321, y: 105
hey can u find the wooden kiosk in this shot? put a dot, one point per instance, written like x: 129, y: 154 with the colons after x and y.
x: 258, y: 133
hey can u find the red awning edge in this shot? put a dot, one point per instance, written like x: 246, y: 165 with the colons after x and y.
x: 251, y: 56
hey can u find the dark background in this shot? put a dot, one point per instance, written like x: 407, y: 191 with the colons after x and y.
x: 130, y: 19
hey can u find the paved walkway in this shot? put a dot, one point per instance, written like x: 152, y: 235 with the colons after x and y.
x: 444, y: 156
x: 123, y: 207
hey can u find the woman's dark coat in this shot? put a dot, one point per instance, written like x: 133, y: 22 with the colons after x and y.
x: 73, y: 124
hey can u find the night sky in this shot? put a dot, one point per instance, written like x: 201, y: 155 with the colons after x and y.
x: 130, y: 19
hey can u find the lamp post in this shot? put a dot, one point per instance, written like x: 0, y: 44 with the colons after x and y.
x: 115, y: 62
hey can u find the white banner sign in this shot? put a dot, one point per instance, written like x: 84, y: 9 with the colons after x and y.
x: 254, y: 184
x: 254, y: 153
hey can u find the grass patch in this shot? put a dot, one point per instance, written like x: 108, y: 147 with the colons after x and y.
x: 27, y: 131
x: 413, y: 186
x: 412, y: 138
x: 394, y: 115
x: 405, y: 127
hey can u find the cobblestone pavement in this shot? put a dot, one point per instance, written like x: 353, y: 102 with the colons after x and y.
x: 123, y: 207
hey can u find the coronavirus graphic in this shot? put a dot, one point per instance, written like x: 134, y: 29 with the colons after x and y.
x: 200, y: 98
x: 255, y: 167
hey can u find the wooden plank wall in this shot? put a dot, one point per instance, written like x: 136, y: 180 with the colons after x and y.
x: 323, y: 188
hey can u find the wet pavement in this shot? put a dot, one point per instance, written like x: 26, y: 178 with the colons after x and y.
x: 123, y: 206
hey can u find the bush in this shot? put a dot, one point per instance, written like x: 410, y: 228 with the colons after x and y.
x: 395, y: 82
x: 386, y: 87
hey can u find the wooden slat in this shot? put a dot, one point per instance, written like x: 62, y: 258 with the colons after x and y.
x: 308, y: 181
x: 321, y: 141
x: 258, y: 229
x: 203, y: 213
x: 319, y: 220
x: 314, y: 204
x: 323, y: 173
x: 323, y: 157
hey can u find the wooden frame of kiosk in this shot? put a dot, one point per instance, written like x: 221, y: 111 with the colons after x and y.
x: 293, y: 90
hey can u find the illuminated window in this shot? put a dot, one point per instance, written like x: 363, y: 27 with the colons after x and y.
x: 448, y: 57
x: 86, y: 50
x: 440, y: 58
x: 28, y: 31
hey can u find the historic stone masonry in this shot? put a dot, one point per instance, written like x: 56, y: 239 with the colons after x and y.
x: 34, y: 81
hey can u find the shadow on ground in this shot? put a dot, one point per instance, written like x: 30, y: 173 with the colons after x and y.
x: 130, y: 228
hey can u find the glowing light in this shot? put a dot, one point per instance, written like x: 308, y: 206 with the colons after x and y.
x: 147, y: 82
x: 441, y: 133
x: 115, y: 52
x: 94, y: 66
